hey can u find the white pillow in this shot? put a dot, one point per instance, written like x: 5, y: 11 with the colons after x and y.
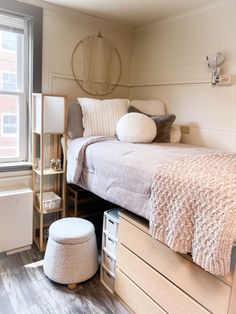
x: 100, y: 117
x: 136, y: 128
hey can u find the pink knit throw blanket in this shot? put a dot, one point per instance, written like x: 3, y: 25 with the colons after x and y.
x: 194, y: 208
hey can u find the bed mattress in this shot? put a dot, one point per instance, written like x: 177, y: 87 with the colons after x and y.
x: 122, y: 172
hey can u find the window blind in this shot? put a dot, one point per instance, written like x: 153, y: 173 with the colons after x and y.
x: 12, y: 23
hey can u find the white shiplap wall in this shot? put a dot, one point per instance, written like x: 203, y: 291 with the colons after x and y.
x: 62, y: 30
x: 169, y: 63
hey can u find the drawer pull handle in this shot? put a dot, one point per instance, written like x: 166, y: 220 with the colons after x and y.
x: 112, y: 222
x: 109, y: 257
x: 108, y: 275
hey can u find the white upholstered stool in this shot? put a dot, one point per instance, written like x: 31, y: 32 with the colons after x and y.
x: 71, y: 253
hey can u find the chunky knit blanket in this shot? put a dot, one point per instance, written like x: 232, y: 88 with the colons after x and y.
x: 194, y: 208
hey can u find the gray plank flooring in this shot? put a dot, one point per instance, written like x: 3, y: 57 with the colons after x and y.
x: 24, y: 289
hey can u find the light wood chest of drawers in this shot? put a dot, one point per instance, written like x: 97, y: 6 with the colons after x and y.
x: 151, y: 278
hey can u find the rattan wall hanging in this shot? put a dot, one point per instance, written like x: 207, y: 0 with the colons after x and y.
x: 96, y: 65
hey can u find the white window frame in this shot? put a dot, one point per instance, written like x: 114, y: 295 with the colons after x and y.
x: 23, y: 97
x: 3, y: 133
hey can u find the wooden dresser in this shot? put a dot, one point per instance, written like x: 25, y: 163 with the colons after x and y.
x: 151, y: 278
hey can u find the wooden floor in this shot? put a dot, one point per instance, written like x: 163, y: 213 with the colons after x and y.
x: 25, y: 289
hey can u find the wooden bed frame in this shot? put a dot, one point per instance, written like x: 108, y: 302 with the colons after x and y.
x: 151, y: 278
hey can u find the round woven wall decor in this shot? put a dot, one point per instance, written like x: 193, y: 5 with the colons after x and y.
x: 96, y: 65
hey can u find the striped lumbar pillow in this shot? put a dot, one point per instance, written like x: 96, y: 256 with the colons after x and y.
x: 100, y: 117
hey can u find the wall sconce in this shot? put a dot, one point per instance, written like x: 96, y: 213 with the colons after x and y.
x: 214, y: 62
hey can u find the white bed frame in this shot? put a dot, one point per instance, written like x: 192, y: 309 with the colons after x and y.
x: 151, y: 278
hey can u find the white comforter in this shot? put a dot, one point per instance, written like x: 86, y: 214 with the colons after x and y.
x: 121, y: 172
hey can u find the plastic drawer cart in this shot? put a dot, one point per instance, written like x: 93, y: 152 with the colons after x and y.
x: 109, y: 246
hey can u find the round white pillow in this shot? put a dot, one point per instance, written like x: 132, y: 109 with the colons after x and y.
x: 136, y: 127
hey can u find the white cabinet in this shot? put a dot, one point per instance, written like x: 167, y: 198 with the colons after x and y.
x: 109, y: 247
x: 16, y: 212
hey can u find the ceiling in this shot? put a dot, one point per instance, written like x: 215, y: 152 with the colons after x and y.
x: 133, y: 13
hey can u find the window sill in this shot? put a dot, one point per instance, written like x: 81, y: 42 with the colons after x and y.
x: 15, y: 166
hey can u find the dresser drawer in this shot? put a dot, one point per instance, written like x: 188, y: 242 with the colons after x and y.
x: 206, y: 289
x: 170, y: 298
x: 137, y: 300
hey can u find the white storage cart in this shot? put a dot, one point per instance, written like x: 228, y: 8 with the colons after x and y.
x: 109, y: 246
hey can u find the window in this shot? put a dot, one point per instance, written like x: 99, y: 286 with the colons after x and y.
x: 9, y: 41
x: 9, y: 81
x: 9, y: 125
x: 15, y: 61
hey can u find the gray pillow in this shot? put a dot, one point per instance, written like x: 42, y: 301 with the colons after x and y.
x: 75, y: 122
x: 163, y: 123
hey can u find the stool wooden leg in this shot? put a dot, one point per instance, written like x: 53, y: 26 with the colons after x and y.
x: 72, y: 286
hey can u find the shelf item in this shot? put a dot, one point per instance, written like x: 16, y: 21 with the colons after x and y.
x: 51, y: 201
x: 109, y: 248
x: 49, y: 125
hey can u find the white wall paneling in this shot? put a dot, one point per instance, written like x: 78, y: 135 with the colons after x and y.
x: 66, y: 84
x: 62, y: 30
x: 169, y: 63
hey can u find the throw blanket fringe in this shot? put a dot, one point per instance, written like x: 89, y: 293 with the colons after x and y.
x: 194, y: 208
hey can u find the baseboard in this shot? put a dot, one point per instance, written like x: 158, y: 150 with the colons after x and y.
x: 20, y: 249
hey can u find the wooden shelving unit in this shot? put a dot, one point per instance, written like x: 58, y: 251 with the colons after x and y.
x: 47, y: 172
x: 49, y: 125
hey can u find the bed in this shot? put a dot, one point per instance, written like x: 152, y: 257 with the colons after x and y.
x: 169, y: 282
x: 122, y: 172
